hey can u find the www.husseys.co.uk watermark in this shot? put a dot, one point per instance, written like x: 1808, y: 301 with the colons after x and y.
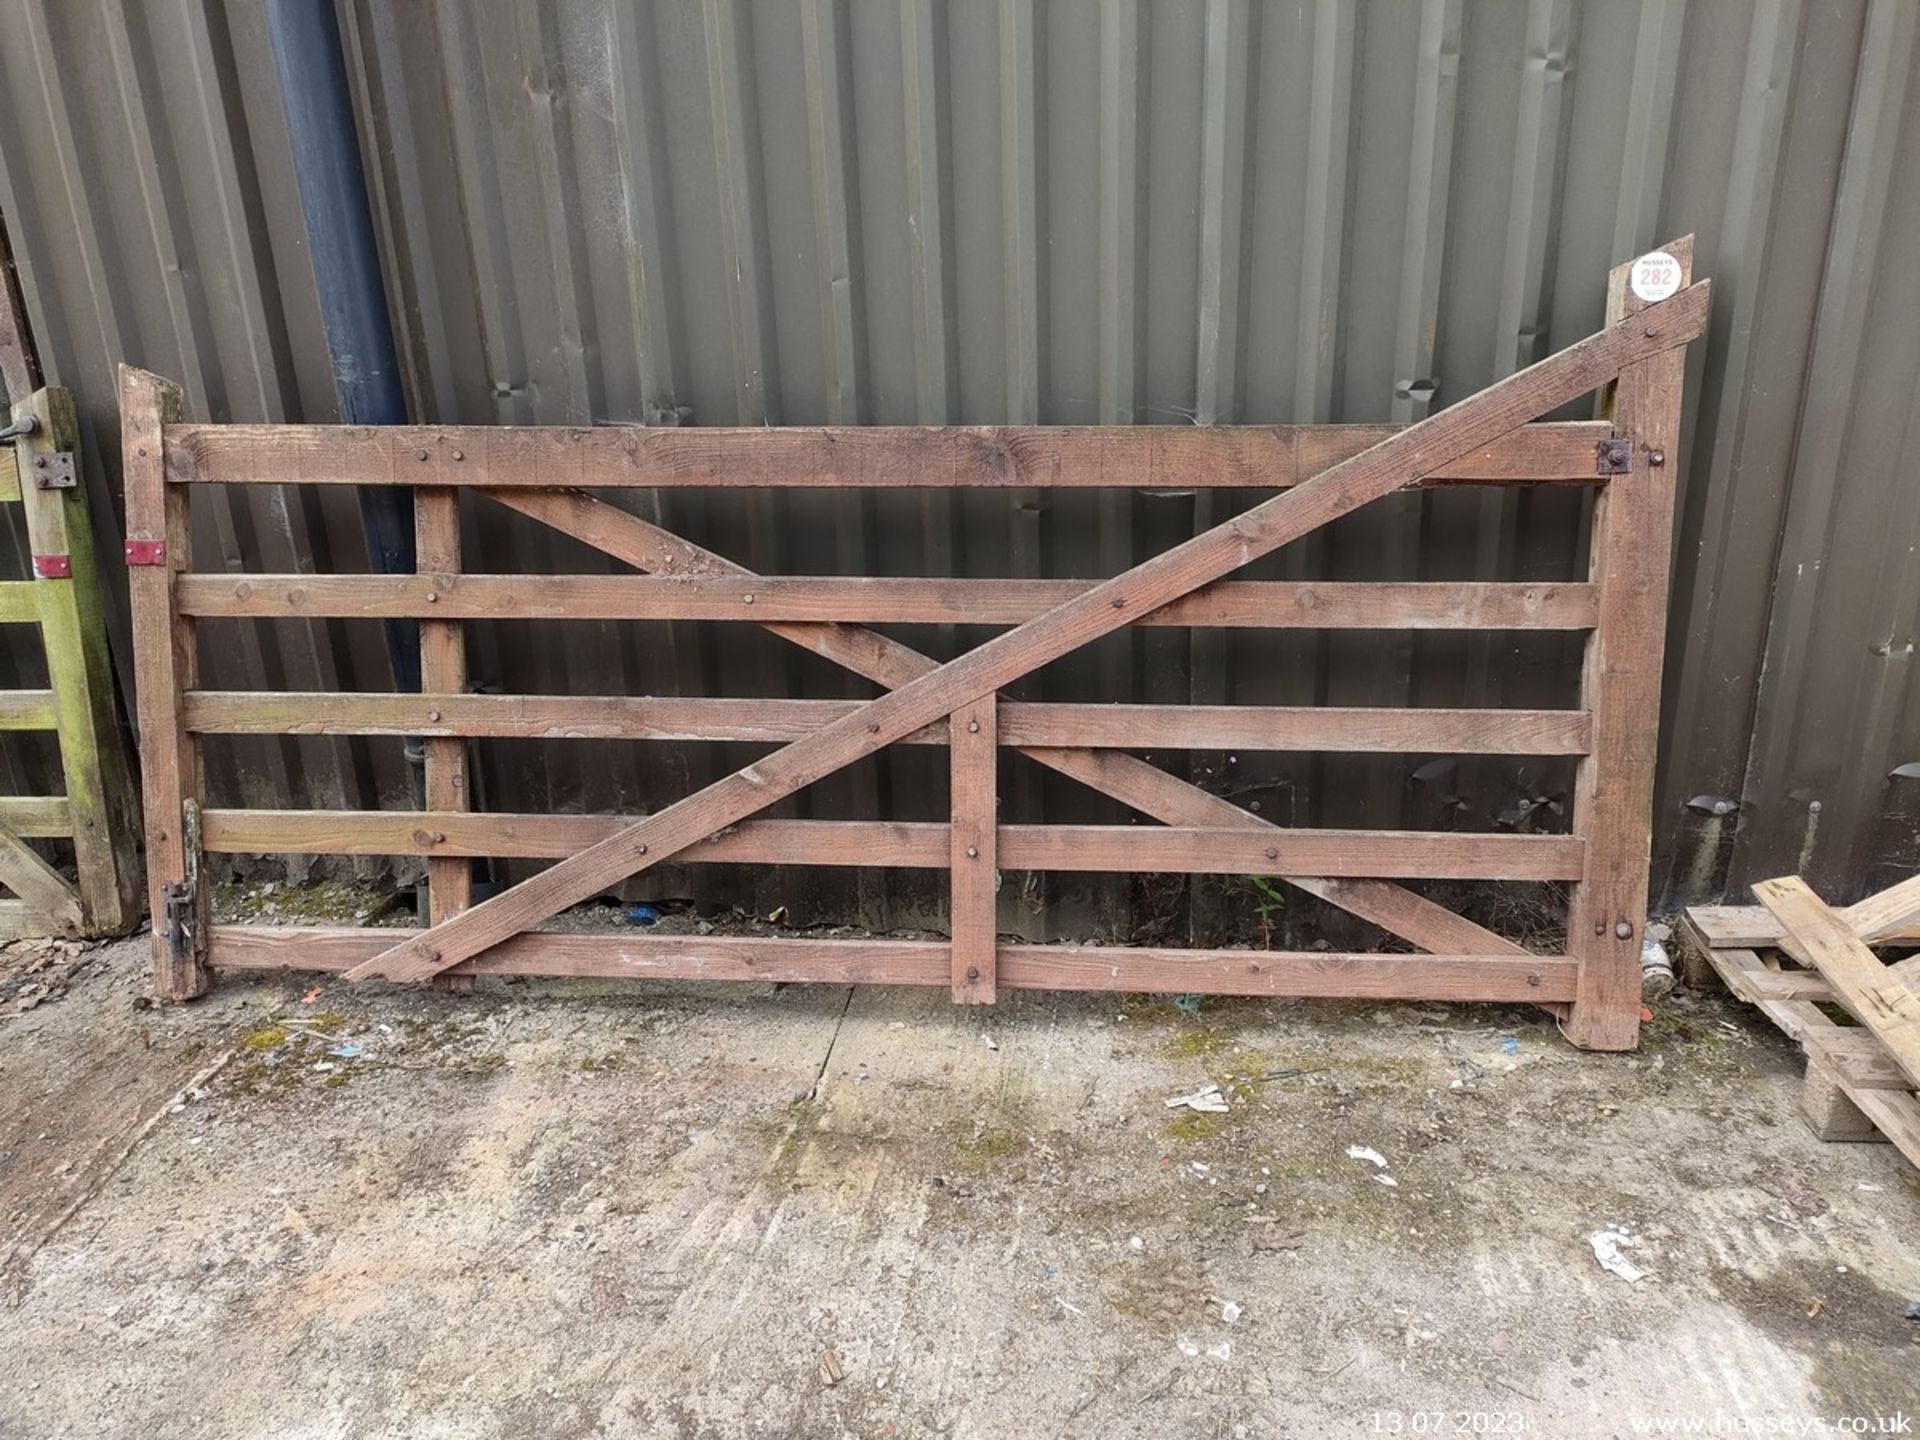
x: 1724, y: 1422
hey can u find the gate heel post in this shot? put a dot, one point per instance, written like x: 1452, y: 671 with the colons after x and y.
x: 166, y: 665
x: 1629, y: 560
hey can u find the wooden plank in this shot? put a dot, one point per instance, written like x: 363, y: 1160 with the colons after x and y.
x: 1856, y: 1055
x: 1164, y: 850
x: 638, y: 717
x: 44, y: 890
x: 97, y: 772
x: 27, y: 710
x: 973, y: 860
x: 19, y: 364
x: 919, y: 962
x: 1887, y: 915
x: 1751, y: 927
x: 1280, y: 605
x: 1132, y: 781
x: 36, y: 817
x: 1172, y: 457
x: 19, y: 599
x: 443, y: 667
x: 1108, y: 606
x: 166, y: 664
x: 20, y: 921
x: 9, y: 477
x: 1872, y: 993
x: 1632, y: 539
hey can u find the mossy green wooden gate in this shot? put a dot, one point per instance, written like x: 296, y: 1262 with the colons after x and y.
x: 39, y: 472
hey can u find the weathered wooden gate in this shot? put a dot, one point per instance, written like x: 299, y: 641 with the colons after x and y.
x: 40, y: 473
x: 1322, y: 473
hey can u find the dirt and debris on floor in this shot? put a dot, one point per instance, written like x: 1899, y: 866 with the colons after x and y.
x: 301, y: 1208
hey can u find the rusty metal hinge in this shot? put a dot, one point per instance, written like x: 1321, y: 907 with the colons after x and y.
x: 146, y: 552
x: 53, y: 567
x: 1614, y: 457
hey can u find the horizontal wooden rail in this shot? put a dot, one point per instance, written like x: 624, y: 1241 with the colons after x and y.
x: 1144, y: 457
x: 27, y: 710
x: 1536, y: 978
x: 19, y: 602
x: 36, y: 817
x: 1158, y: 849
x: 1333, y: 605
x: 639, y: 717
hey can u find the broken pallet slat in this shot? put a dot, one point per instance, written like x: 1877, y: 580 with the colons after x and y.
x: 1874, y: 994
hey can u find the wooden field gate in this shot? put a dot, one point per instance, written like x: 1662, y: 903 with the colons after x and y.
x: 60, y: 602
x: 1320, y: 473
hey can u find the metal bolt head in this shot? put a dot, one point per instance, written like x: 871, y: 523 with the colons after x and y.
x: 748, y: 599
x: 419, y: 454
x: 1623, y: 931
x: 1533, y: 978
x: 973, y: 972
x: 1273, y: 852
x: 1656, y: 456
x: 433, y: 717
x: 873, y: 727
x: 642, y: 850
x: 1119, y: 602
x: 459, y: 454
x: 973, y: 727
x: 973, y: 852
x: 433, y: 597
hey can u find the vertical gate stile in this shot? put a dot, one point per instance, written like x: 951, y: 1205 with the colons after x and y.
x: 1620, y: 684
x: 974, y: 746
x: 166, y: 654
x: 443, y: 671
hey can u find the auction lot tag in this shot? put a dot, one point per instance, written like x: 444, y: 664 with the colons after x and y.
x: 1654, y: 277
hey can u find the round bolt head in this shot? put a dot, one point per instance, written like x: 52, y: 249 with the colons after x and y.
x: 1623, y: 931
x: 973, y: 852
x: 1273, y: 853
x: 973, y: 972
x: 433, y: 597
x: 873, y: 727
x: 433, y: 717
x: 419, y: 454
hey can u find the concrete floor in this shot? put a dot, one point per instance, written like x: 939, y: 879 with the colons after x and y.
x: 566, y: 1210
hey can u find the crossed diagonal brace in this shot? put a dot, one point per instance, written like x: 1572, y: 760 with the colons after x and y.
x: 936, y: 693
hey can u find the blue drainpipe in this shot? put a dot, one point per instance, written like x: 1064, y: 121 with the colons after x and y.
x: 305, y: 35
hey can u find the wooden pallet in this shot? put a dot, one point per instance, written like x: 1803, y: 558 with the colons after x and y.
x: 1858, y: 1085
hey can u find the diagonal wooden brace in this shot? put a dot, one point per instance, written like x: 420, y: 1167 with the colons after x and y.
x: 1345, y: 487
x: 1114, y: 773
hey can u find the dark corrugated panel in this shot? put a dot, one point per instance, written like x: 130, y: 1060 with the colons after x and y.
x: 1191, y: 211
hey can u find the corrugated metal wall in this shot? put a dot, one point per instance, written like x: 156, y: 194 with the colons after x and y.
x: 1186, y: 211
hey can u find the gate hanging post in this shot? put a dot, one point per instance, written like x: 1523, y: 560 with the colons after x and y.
x: 1629, y: 561
x: 167, y: 661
